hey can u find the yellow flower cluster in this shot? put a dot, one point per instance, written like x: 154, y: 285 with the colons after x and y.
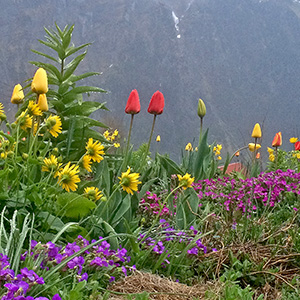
x: 189, y: 147
x: 111, y: 137
x: 271, y: 154
x: 185, y: 181
x: 217, y: 150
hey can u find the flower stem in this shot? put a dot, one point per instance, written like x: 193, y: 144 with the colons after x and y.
x: 128, y: 143
x: 148, y: 146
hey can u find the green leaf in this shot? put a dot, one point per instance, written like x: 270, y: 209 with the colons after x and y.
x: 50, y: 45
x: 48, y: 67
x: 67, y: 37
x: 71, y: 67
x: 73, y: 49
x: 170, y: 166
x: 201, y: 156
x: 74, y: 206
x: 71, y: 131
x: 85, y: 109
x: 45, y: 55
x: 74, y: 78
x: 83, y: 121
x: 72, y: 94
x: 121, y: 210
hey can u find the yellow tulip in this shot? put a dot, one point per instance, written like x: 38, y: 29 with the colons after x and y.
x: 39, y: 83
x: 158, y: 138
x: 252, y: 147
x: 42, y: 102
x: 256, y: 133
x: 17, y: 95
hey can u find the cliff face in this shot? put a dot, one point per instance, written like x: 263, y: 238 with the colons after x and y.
x: 240, y: 56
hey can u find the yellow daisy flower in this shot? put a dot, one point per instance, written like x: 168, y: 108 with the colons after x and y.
x: 53, y: 124
x: 293, y: 140
x: 186, y: 180
x: 93, y: 193
x: 94, y: 150
x: 129, y: 182
x: 86, y: 163
x: 1, y: 108
x: 34, y: 109
x: 68, y: 177
x: 50, y: 164
x: 298, y: 155
x: 24, y: 121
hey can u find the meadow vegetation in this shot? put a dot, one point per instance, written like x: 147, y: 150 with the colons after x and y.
x: 85, y: 216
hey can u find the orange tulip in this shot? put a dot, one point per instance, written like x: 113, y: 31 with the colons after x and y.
x: 277, y: 141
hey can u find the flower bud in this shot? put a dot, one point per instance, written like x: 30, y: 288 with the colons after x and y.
x: 25, y: 156
x: 201, y: 109
x: 42, y: 102
x: 297, y: 146
x: 157, y: 103
x: 17, y: 95
x: 158, y: 138
x: 39, y: 83
x: 2, y: 116
x: 256, y: 133
x: 133, y: 103
x: 252, y: 147
x: 277, y: 141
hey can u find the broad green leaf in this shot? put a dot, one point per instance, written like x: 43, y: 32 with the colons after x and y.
x: 201, y: 156
x: 83, y: 121
x: 120, y: 210
x: 74, y: 205
x: 170, y: 166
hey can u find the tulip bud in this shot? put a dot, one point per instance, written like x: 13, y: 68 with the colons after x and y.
x: 158, y: 138
x: 133, y: 103
x: 277, y: 141
x: 17, y: 95
x: 201, y: 109
x: 252, y: 147
x: 42, y: 102
x: 157, y: 103
x: 39, y: 83
x: 297, y: 146
x: 256, y: 133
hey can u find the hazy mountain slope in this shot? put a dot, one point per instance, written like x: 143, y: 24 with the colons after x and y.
x: 240, y: 56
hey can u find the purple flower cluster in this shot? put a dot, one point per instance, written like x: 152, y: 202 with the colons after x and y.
x: 90, y: 261
x: 17, y: 285
x: 246, y: 195
x: 168, y: 234
x: 151, y: 204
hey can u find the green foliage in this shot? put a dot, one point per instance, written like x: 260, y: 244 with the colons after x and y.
x: 66, y: 98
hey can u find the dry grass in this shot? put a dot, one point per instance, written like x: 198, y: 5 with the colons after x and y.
x: 160, y: 288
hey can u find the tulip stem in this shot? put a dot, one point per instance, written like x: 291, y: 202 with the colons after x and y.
x: 201, y: 125
x: 128, y: 142
x: 148, y: 146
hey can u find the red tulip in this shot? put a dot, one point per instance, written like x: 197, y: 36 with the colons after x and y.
x: 133, y: 103
x: 297, y: 146
x: 157, y: 103
x: 277, y: 141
